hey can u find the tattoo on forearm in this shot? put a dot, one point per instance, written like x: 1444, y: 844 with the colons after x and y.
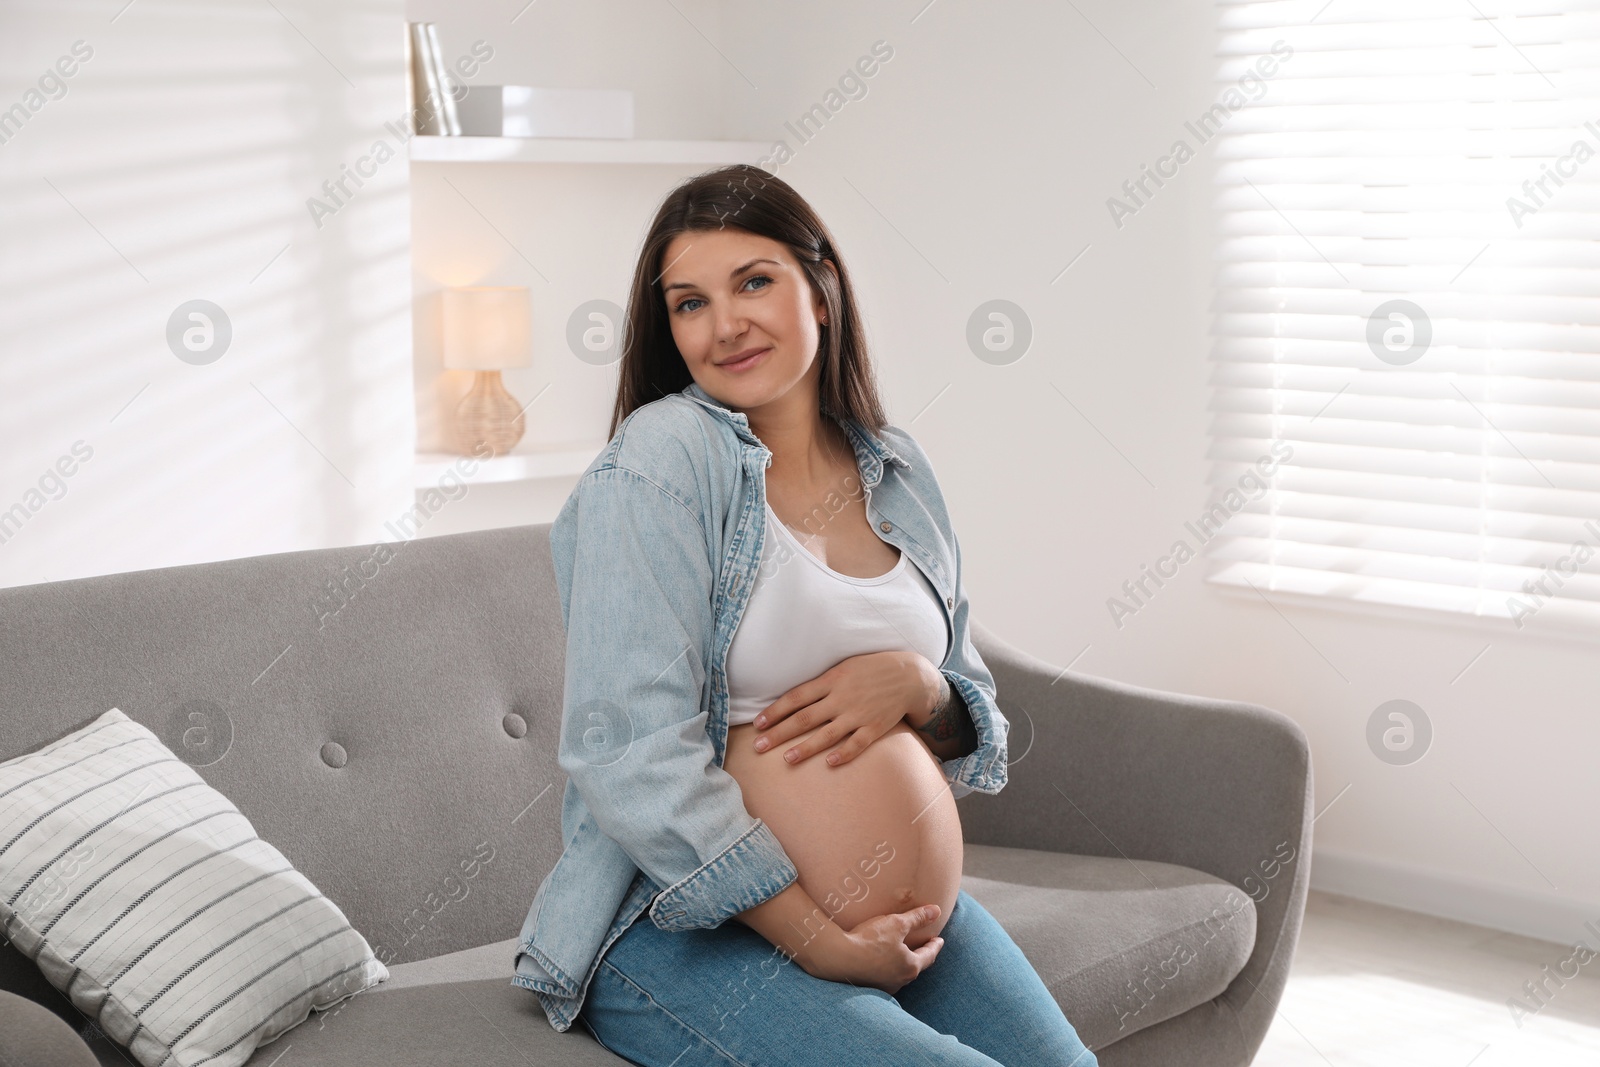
x: 950, y: 719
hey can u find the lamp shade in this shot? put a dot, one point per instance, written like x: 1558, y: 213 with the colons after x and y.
x: 487, y: 328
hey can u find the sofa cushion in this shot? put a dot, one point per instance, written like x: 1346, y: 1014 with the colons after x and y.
x: 458, y: 1010
x: 1122, y: 944
x: 30, y: 1034
x: 145, y: 896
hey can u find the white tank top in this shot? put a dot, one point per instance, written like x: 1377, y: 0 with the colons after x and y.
x: 803, y: 617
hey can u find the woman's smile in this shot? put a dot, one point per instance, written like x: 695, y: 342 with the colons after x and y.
x: 739, y: 366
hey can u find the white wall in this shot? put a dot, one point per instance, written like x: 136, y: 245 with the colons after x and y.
x: 177, y: 166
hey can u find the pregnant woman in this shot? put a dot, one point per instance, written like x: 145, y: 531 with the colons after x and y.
x: 772, y: 700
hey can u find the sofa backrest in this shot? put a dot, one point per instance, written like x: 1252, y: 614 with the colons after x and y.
x: 386, y: 716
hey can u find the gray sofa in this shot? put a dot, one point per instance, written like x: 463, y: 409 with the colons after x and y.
x: 381, y: 723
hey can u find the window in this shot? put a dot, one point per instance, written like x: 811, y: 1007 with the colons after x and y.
x: 1406, y: 322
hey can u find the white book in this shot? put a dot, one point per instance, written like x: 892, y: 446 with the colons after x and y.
x: 530, y: 112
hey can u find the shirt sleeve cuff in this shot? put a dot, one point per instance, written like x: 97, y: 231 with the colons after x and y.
x: 983, y: 770
x: 751, y: 870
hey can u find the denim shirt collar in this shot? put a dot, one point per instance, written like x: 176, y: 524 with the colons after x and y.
x: 871, y: 451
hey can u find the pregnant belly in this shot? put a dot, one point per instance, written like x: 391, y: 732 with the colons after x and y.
x: 876, y: 835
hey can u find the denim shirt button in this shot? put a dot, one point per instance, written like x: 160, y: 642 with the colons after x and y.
x: 949, y: 601
x: 885, y: 526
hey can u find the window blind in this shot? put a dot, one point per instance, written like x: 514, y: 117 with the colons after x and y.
x: 1442, y: 453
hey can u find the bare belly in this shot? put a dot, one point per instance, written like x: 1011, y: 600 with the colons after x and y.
x: 876, y: 835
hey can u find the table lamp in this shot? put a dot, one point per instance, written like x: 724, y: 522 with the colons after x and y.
x: 486, y: 330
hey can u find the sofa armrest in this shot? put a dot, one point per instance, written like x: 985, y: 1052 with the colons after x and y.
x: 31, y: 1033
x: 1106, y: 769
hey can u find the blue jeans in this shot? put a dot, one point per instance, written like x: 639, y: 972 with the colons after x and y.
x: 727, y: 997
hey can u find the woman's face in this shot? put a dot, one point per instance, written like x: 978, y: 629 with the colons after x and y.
x: 742, y: 313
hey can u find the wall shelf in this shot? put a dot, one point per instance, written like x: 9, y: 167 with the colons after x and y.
x: 557, y: 461
x: 467, y: 149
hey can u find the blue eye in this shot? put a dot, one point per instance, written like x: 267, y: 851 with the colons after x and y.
x: 680, y: 306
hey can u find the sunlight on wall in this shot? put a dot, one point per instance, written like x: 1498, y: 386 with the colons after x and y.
x: 175, y: 165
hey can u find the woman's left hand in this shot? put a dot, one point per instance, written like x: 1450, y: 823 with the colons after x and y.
x: 855, y: 702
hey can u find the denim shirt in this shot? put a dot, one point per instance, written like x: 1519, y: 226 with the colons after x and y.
x: 655, y: 551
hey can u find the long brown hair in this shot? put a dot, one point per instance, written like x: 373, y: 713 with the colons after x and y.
x: 744, y: 197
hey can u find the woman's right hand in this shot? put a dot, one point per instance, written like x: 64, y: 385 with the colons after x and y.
x: 874, y: 951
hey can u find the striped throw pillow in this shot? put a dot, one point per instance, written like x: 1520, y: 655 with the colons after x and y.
x: 147, y: 898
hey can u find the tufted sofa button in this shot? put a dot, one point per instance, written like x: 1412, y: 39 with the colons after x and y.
x: 515, y: 724
x: 334, y: 755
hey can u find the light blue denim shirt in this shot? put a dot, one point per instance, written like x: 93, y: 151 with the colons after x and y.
x: 654, y: 555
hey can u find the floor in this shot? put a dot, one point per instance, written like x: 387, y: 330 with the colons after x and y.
x: 1373, y: 985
